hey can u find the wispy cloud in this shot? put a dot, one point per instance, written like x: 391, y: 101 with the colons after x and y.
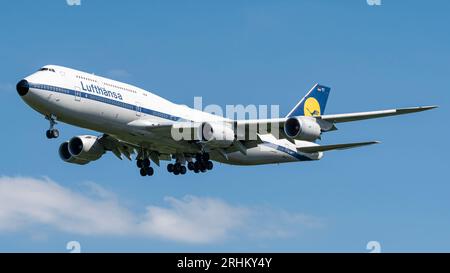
x: 193, y: 219
x: 267, y: 222
x: 29, y: 202
x: 25, y: 202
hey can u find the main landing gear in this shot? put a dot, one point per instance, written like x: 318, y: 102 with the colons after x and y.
x: 51, y: 132
x: 176, y: 168
x: 201, y: 164
x: 144, y: 166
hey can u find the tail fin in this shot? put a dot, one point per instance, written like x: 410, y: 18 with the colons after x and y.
x: 313, y: 103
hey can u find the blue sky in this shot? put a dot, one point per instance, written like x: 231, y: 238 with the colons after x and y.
x: 235, y: 52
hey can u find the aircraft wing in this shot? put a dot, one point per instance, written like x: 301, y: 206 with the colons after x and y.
x: 373, y: 114
x: 118, y: 147
x: 326, y: 122
x: 323, y: 148
x: 250, y: 129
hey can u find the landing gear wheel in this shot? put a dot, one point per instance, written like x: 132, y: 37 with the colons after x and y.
x: 139, y: 163
x: 198, y: 157
x: 202, y: 165
x: 190, y: 166
x: 175, y: 172
x: 209, y: 165
x: 183, y: 170
x: 53, y: 133
x: 143, y: 172
x: 146, y: 162
x: 150, y: 171
x: 170, y: 168
x: 177, y: 168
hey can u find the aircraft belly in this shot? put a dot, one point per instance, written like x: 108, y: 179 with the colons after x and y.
x: 259, y: 155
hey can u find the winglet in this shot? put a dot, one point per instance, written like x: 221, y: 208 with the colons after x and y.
x: 416, y: 109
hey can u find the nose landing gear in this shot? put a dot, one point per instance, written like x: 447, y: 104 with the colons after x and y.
x: 51, y: 132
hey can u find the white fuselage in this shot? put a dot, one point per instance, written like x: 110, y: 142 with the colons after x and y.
x: 109, y: 106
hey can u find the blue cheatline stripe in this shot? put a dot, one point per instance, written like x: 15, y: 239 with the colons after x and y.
x: 109, y: 101
x: 146, y: 111
x: 287, y: 151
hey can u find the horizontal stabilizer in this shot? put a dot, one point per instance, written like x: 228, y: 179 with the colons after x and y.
x: 373, y: 114
x: 323, y: 148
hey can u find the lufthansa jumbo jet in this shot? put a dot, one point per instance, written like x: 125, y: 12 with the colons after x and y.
x: 133, y: 121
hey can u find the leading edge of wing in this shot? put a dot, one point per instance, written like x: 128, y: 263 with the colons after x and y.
x: 374, y: 114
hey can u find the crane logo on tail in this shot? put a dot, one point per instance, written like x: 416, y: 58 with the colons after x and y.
x: 311, y: 107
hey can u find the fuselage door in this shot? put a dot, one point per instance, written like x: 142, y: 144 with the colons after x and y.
x: 138, y: 109
x: 77, y: 93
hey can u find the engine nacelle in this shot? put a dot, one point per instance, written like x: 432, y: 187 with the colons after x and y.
x: 302, y: 128
x: 86, y: 147
x: 81, y: 150
x: 65, y: 155
x: 217, y: 134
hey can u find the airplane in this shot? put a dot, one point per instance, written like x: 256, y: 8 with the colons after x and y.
x: 135, y: 122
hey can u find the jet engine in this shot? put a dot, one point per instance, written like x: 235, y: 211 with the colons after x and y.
x: 81, y: 150
x: 217, y: 134
x: 302, y: 128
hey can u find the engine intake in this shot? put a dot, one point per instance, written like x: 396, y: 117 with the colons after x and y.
x: 66, y: 156
x: 217, y: 134
x: 302, y: 128
x: 81, y: 150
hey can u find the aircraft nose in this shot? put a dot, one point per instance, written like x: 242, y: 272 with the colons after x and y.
x: 22, y: 87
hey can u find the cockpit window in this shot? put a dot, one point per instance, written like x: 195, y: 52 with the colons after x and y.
x: 47, y: 69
